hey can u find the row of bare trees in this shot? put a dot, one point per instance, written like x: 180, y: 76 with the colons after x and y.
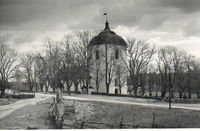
x: 163, y: 70
x: 149, y: 70
x: 61, y: 62
x: 178, y: 72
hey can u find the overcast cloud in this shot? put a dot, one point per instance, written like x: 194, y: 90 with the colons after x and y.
x: 25, y: 23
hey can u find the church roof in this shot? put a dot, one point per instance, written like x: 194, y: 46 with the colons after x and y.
x: 107, y: 36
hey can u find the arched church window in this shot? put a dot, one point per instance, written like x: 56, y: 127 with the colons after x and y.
x: 97, y: 55
x: 116, y: 54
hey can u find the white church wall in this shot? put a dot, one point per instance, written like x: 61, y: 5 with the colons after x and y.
x: 111, y: 51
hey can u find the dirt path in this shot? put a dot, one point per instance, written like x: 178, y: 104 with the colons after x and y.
x: 31, y: 116
x: 8, y: 109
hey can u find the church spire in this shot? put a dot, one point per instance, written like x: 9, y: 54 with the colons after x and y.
x: 106, y: 24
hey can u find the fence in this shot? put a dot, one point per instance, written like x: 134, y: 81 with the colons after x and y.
x: 85, y: 124
x: 56, y: 113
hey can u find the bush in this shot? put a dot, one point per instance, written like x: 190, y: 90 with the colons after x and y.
x: 177, y: 100
x: 102, y: 93
x: 20, y: 96
x: 73, y: 92
x: 128, y: 95
x: 65, y: 92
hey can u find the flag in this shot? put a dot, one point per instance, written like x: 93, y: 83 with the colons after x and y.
x: 104, y: 13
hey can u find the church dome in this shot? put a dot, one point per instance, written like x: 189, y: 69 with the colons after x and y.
x: 107, y: 36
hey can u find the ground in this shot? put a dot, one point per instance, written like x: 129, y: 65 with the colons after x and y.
x: 33, y: 113
x: 31, y: 116
x: 6, y: 101
x: 132, y: 116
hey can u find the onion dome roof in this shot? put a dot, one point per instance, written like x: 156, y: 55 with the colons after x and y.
x: 107, y: 36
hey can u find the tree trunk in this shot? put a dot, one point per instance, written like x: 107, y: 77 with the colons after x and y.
x: 54, y: 89
x: 68, y: 90
x: 189, y: 83
x: 41, y: 86
x: 46, y: 88
x: 135, y: 91
x: 180, y: 94
x: 76, y: 88
x: 150, y: 90
x: 189, y: 93
x: 150, y: 93
x: 107, y: 88
x: 143, y: 90
x: 97, y: 87
x: 2, y: 91
x: 36, y: 88
x: 163, y: 93
x: 156, y: 93
x: 4, y: 85
x: 120, y: 90
x: 198, y: 94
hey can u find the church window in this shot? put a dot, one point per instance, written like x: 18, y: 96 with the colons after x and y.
x: 97, y: 55
x: 116, y: 54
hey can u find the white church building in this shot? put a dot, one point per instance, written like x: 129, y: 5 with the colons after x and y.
x: 108, y: 61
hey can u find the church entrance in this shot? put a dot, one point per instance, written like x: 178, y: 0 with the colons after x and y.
x: 116, y: 91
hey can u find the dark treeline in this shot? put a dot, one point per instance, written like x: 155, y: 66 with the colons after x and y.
x: 151, y: 71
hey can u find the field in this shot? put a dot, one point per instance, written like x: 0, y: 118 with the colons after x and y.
x: 101, y: 115
x: 108, y: 115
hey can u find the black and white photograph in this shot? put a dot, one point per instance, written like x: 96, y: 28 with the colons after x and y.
x: 99, y: 64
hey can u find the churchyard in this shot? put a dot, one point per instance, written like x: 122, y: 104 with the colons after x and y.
x: 91, y: 113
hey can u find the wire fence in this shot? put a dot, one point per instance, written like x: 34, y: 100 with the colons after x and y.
x: 86, y: 124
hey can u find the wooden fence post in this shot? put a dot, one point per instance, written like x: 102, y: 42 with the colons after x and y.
x: 121, y: 122
x: 153, y: 122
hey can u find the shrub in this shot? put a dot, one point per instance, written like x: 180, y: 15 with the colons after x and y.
x: 20, y: 96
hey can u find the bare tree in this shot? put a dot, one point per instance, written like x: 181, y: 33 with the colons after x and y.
x: 152, y: 78
x: 27, y: 64
x: 178, y: 71
x: 73, y: 67
x: 98, y: 74
x: 76, y: 77
x: 41, y: 71
x: 68, y: 64
x: 110, y: 71
x: 196, y: 77
x: 139, y: 55
x: 18, y: 77
x: 121, y: 77
x: 7, y: 66
x: 165, y: 66
x: 54, y: 63
x: 84, y: 53
x: 189, y: 60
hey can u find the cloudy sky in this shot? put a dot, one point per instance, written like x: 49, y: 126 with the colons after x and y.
x: 24, y: 24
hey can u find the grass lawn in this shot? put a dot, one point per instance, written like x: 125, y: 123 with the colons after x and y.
x: 140, y: 116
